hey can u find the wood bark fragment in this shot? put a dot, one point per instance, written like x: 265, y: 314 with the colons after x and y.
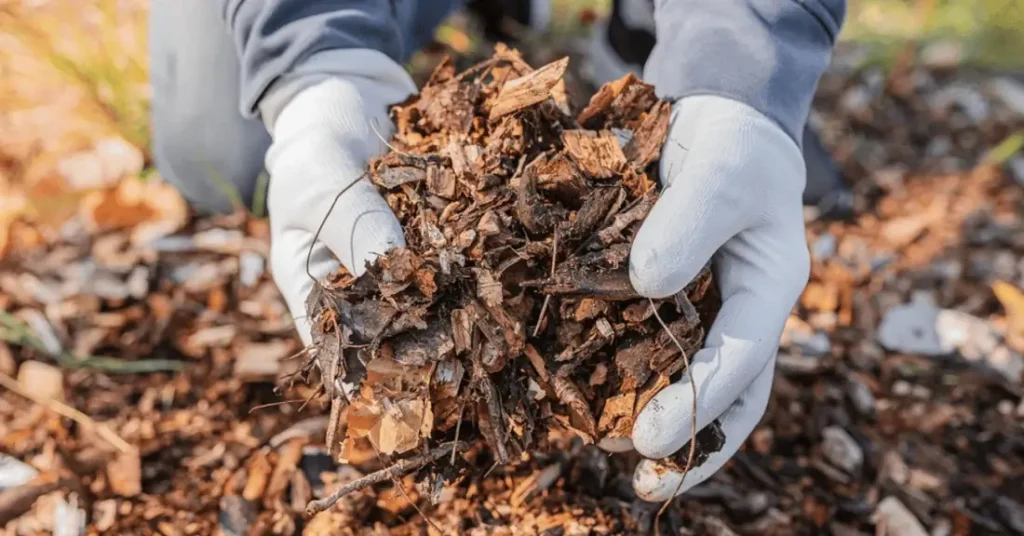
x: 529, y: 89
x: 518, y: 222
x: 597, y: 153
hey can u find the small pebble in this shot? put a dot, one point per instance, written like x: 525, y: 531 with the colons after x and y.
x: 250, y: 267
x: 14, y: 473
x: 824, y: 247
x: 860, y: 396
x: 855, y: 100
x: 842, y: 450
x: 942, y: 54
x: 892, y: 518
x: 1011, y: 92
x: 911, y: 328
x: 1006, y: 407
x: 966, y: 98
x: 894, y: 468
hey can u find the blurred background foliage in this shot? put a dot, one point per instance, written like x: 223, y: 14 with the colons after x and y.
x: 75, y: 71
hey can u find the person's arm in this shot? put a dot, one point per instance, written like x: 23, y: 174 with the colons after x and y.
x: 287, y: 45
x: 321, y: 75
x: 768, y: 54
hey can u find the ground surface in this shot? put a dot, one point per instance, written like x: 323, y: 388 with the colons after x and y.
x: 897, y: 407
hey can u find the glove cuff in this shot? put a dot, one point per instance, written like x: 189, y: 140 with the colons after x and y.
x: 378, y: 79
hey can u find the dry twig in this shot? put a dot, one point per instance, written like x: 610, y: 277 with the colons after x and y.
x: 693, y: 417
x: 400, y: 468
x: 67, y: 411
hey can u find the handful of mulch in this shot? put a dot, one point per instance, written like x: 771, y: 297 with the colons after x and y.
x: 509, y: 318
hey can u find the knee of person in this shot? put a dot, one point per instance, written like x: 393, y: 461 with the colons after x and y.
x: 216, y: 172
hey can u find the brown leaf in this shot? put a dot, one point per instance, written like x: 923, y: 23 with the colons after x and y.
x: 402, y: 425
x: 152, y: 209
x: 401, y: 263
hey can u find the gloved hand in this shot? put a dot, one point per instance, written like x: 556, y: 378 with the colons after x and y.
x: 324, y: 131
x: 733, y: 187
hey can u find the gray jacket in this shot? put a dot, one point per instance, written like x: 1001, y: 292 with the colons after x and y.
x: 766, y: 53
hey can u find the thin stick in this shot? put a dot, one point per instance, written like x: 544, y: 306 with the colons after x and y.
x: 547, y: 299
x: 401, y: 489
x: 274, y: 404
x: 67, y: 411
x: 401, y: 468
x: 304, y: 350
x: 316, y: 235
x: 693, y: 417
x: 373, y: 125
x: 458, y: 428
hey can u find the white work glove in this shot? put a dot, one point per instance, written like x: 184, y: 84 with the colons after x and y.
x: 323, y: 136
x: 733, y: 186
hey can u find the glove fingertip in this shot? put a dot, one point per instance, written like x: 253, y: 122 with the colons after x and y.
x: 659, y: 268
x: 655, y: 482
x: 663, y: 422
x: 647, y: 272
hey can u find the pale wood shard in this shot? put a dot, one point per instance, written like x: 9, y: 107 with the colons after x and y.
x: 259, y: 476
x: 582, y: 418
x: 394, y: 176
x: 617, y: 416
x: 287, y: 462
x: 488, y: 288
x: 537, y: 361
x: 441, y: 182
x: 613, y: 232
x: 527, y: 90
x: 646, y: 394
x: 597, y: 153
x: 649, y: 137
x: 124, y: 474
x: 462, y: 330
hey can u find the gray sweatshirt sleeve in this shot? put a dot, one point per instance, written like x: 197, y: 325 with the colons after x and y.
x: 768, y: 54
x: 275, y: 38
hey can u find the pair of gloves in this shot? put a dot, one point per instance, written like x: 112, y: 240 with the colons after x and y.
x: 732, y: 193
